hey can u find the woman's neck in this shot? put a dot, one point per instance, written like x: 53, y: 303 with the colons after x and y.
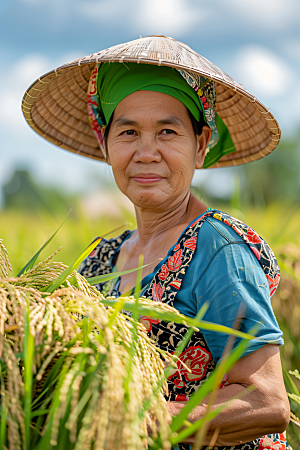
x: 151, y: 224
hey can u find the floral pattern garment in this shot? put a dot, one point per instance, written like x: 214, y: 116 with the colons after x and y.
x: 167, y: 335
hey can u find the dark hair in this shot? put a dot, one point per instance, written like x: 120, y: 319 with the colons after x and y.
x: 197, y: 126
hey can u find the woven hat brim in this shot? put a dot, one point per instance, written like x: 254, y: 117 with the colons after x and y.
x: 55, y: 105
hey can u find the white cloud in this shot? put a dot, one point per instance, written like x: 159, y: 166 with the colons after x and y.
x: 100, y: 10
x: 13, y: 84
x: 149, y: 16
x: 262, y: 72
x: 291, y: 48
x: 165, y: 16
x: 270, y: 14
x: 18, y: 77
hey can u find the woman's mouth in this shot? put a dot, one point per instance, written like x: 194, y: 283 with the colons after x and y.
x: 147, y: 178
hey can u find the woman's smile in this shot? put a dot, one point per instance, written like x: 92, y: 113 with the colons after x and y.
x: 147, y: 178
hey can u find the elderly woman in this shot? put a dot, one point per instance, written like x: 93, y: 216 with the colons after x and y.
x: 155, y: 124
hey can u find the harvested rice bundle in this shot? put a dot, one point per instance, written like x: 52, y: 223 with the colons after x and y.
x: 75, y: 373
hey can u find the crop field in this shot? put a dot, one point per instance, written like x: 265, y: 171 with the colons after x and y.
x: 24, y: 233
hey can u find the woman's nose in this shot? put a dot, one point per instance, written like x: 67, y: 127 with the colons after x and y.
x: 147, y: 150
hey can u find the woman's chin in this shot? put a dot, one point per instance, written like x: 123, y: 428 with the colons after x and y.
x: 149, y: 199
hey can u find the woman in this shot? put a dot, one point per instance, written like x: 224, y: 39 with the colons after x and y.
x: 155, y: 125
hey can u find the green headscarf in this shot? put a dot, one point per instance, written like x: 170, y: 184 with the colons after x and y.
x: 116, y: 81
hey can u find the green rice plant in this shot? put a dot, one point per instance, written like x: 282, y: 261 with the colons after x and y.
x: 77, y: 373
x: 293, y: 430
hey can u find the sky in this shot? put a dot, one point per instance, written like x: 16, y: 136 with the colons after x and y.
x: 257, y: 42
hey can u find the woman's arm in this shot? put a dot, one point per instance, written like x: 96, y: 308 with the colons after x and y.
x: 264, y: 410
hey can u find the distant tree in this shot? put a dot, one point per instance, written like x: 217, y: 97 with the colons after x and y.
x: 21, y: 192
x: 273, y: 178
x: 276, y: 177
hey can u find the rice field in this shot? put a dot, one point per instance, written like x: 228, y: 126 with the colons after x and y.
x: 23, y: 234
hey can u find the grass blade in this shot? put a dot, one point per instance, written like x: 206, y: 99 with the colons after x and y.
x: 107, y: 277
x: 169, y: 316
x: 182, y: 344
x: 3, y: 414
x: 193, y: 428
x: 32, y: 262
x: 206, y: 388
x: 28, y: 361
x: 135, y: 311
x: 62, y: 278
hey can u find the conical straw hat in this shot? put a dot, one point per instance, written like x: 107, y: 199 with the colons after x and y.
x: 55, y: 104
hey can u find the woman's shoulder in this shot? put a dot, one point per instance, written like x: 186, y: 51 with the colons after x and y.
x: 220, y: 225
x: 99, y: 260
x: 222, y: 233
x: 228, y: 229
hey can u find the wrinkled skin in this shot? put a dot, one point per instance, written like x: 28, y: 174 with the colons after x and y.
x: 154, y: 152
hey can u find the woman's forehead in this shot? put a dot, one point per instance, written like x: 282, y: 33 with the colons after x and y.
x: 156, y: 105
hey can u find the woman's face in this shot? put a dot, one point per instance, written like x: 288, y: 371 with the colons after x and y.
x: 153, y: 150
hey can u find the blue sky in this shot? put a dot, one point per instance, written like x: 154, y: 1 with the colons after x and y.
x: 256, y: 41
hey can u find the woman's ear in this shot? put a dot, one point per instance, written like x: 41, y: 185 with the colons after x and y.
x: 106, y: 153
x: 202, y: 143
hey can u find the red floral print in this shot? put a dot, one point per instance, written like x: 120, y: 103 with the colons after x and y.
x: 197, y: 360
x: 181, y: 398
x: 163, y: 273
x: 177, y: 247
x: 191, y: 243
x: 93, y: 88
x: 148, y: 321
x: 205, y: 105
x: 273, y: 283
x: 175, y: 261
x: 266, y: 443
x: 253, y: 237
x: 157, y: 292
x: 93, y: 253
x: 237, y: 230
x: 224, y: 381
x: 176, y: 284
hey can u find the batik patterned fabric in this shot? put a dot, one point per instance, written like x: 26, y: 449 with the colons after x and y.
x: 204, y: 88
x: 167, y: 335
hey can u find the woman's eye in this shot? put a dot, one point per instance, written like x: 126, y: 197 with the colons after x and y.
x: 168, y: 131
x: 129, y: 132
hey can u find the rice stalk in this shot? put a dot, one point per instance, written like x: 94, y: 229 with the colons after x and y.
x: 89, y: 404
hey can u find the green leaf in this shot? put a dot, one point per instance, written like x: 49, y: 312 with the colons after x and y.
x: 169, y: 316
x: 3, y: 415
x: 289, y: 383
x: 295, y: 373
x: 107, y: 277
x: 32, y: 262
x: 28, y: 361
x: 188, y: 431
x: 62, y: 278
x: 39, y: 412
x: 135, y: 311
x: 182, y: 344
x: 206, y: 388
x: 294, y: 397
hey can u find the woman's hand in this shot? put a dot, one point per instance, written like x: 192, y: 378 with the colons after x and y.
x: 262, y: 411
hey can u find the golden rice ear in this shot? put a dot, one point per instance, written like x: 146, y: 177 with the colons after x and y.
x: 5, y: 266
x: 55, y: 104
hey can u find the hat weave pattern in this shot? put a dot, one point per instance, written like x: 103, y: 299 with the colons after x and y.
x: 55, y: 104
